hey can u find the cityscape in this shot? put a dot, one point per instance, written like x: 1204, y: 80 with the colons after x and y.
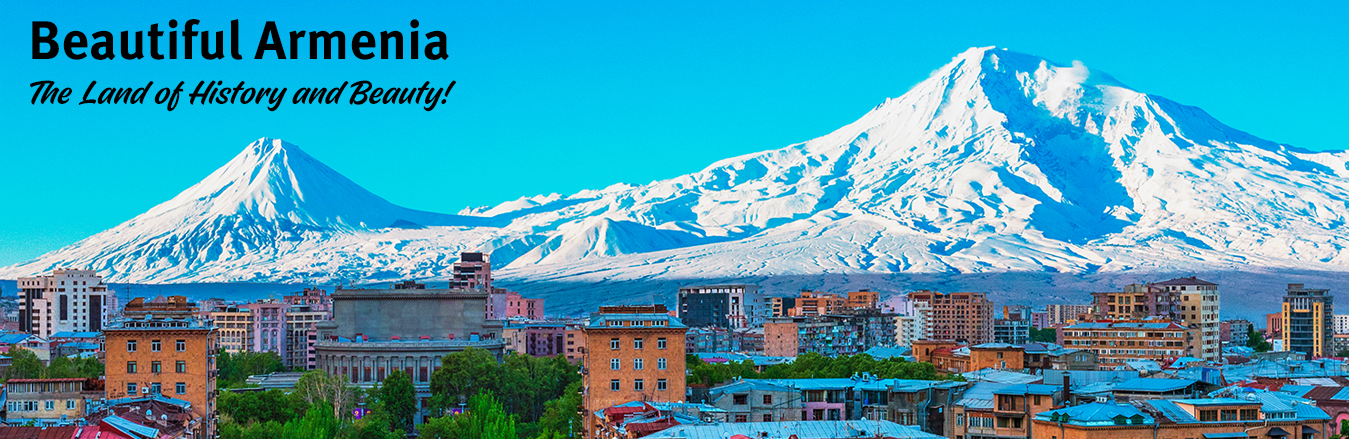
x: 723, y: 361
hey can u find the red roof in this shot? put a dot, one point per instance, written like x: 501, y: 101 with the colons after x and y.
x: 38, y: 432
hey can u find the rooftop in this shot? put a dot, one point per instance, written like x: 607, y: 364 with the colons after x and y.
x: 798, y: 429
x: 1097, y: 414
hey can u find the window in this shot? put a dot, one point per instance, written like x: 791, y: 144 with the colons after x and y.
x: 180, y: 345
x: 741, y: 399
x: 154, y: 346
x: 768, y: 417
x: 1208, y: 415
x: 1037, y: 399
x: 741, y: 418
x: 131, y: 345
x: 638, y: 385
x: 637, y: 364
x: 70, y: 404
x: 51, y: 405
x: 130, y: 388
x: 636, y: 343
x: 131, y: 367
x: 180, y: 367
x: 1229, y: 415
x: 660, y: 363
x: 613, y: 344
x: 1249, y: 414
x: 614, y: 364
x: 660, y: 384
x: 154, y: 388
x: 181, y: 388
x: 660, y: 343
x: 613, y: 385
x: 154, y: 367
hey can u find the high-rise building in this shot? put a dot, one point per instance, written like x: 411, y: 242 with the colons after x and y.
x: 962, y: 317
x: 1199, y: 312
x: 633, y: 353
x: 472, y: 272
x: 1014, y: 326
x: 173, y: 357
x: 722, y: 306
x: 1308, y: 321
x: 1063, y: 314
x: 67, y: 300
x: 1342, y: 323
x: 913, y: 326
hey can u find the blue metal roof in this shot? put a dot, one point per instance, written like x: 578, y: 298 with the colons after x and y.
x: 1027, y: 389
x: 884, y: 352
x: 801, y: 429
x: 72, y: 334
x: 1153, y: 385
x: 13, y: 338
x: 1000, y: 376
x: 131, y: 428
x: 1096, y: 414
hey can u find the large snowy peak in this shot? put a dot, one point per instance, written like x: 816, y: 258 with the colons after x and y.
x: 998, y: 161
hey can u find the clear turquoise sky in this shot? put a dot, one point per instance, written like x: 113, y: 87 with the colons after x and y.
x: 559, y: 98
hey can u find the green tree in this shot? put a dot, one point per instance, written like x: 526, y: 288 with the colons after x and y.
x: 1046, y: 335
x: 318, y: 423
x: 235, y: 368
x: 23, y: 364
x: 316, y: 385
x: 462, y: 375
x: 259, y: 407
x: 1255, y: 340
x: 485, y: 419
x: 563, y: 415
x: 61, y: 367
x: 399, y: 399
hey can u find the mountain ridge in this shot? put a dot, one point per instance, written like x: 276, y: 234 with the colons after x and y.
x: 998, y: 161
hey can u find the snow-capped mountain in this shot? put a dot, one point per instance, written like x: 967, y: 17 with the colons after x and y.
x: 999, y: 161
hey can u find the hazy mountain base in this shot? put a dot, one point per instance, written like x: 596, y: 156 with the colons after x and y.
x: 1245, y: 294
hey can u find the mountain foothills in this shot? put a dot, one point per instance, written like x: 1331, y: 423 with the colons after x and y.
x: 999, y: 161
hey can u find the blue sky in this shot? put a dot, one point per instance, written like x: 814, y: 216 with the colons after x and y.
x: 559, y: 98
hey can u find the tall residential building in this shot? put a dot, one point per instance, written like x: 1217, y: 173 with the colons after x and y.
x: 1063, y: 314
x: 963, y: 317
x: 269, y: 326
x: 169, y: 357
x: 1117, y: 341
x: 472, y: 272
x: 1308, y: 321
x: 633, y: 353
x: 1342, y: 323
x: 65, y: 300
x: 722, y: 306
x: 1199, y: 312
x: 1136, y: 302
x: 914, y: 326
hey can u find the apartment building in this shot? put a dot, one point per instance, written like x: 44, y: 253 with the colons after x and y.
x: 170, y: 357
x: 1308, y: 321
x: 65, y: 300
x: 234, y: 328
x: 1235, y: 332
x: 633, y: 353
x: 48, y: 400
x: 1199, y: 312
x: 472, y: 272
x: 722, y: 306
x: 1138, y: 301
x: 1117, y: 341
x: 962, y: 317
x: 829, y: 335
x: 1063, y: 314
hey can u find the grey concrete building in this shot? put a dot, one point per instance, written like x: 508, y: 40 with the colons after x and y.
x: 408, y: 328
x: 722, y: 306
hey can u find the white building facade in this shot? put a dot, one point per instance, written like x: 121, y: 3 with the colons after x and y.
x: 65, y: 300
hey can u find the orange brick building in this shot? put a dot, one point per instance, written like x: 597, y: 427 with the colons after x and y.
x: 1183, y: 419
x: 963, y: 317
x: 1118, y: 341
x: 632, y: 353
x: 170, y: 357
x: 950, y: 357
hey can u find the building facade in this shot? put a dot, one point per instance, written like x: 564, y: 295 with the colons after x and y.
x: 65, y: 300
x: 1235, y: 332
x: 407, y: 327
x: 829, y: 335
x: 634, y: 353
x: 171, y: 357
x: 1063, y: 314
x: 1308, y: 321
x: 722, y: 306
x: 472, y: 272
x: 963, y: 317
x: 1116, y: 341
x: 47, y: 400
x: 1199, y: 312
